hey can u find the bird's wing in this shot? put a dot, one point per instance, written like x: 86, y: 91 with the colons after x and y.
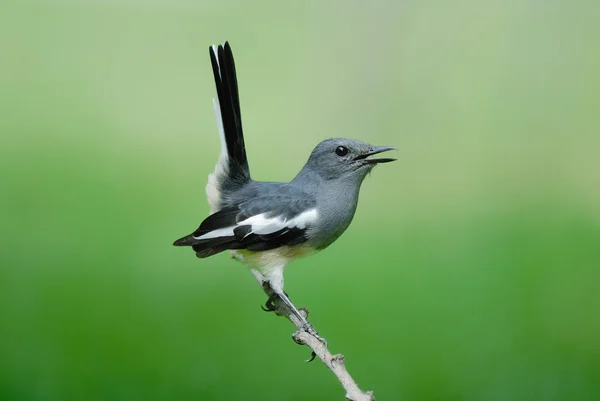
x: 257, y: 224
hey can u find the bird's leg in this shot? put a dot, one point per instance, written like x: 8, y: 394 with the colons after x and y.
x: 270, y: 305
x: 306, y: 326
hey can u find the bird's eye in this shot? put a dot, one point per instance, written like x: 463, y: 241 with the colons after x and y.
x: 341, y: 151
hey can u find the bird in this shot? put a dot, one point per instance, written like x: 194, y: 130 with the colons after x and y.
x: 266, y: 225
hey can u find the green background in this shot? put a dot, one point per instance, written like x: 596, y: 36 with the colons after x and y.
x: 470, y: 272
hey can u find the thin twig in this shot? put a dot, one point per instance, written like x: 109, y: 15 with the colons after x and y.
x: 334, y: 362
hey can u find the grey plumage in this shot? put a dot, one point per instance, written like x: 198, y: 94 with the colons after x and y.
x: 268, y: 224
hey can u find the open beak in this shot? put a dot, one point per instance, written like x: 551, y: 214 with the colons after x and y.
x: 373, y: 151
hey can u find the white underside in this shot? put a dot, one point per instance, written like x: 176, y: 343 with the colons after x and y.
x: 271, y: 263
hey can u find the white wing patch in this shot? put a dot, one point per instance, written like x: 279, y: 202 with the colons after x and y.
x: 215, y: 179
x: 262, y: 225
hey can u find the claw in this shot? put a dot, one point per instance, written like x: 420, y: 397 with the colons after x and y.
x: 270, y: 305
x: 312, y: 357
x: 311, y: 330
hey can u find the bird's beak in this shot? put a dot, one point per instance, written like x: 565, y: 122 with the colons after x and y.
x: 373, y: 151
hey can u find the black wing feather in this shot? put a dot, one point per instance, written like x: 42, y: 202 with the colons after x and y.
x: 223, y: 218
x: 242, y: 237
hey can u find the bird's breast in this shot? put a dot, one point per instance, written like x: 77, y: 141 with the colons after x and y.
x: 336, y: 213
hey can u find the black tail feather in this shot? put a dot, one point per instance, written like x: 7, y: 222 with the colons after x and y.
x: 229, y: 102
x: 206, y: 248
x: 236, y: 169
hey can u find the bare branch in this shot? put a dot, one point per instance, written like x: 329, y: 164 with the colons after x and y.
x: 334, y: 362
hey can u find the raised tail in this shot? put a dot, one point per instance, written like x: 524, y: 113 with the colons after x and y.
x: 231, y: 171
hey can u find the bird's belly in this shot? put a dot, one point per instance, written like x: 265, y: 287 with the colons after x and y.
x: 271, y: 263
x: 264, y: 261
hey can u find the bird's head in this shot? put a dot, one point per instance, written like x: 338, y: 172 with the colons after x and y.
x: 345, y: 158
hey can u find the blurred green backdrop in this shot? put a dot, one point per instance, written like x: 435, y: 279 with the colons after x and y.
x: 471, y: 271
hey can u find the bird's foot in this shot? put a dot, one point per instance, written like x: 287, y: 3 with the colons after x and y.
x: 270, y: 304
x: 307, y: 328
x: 311, y: 330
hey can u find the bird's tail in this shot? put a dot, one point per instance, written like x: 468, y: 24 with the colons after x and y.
x: 231, y: 171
